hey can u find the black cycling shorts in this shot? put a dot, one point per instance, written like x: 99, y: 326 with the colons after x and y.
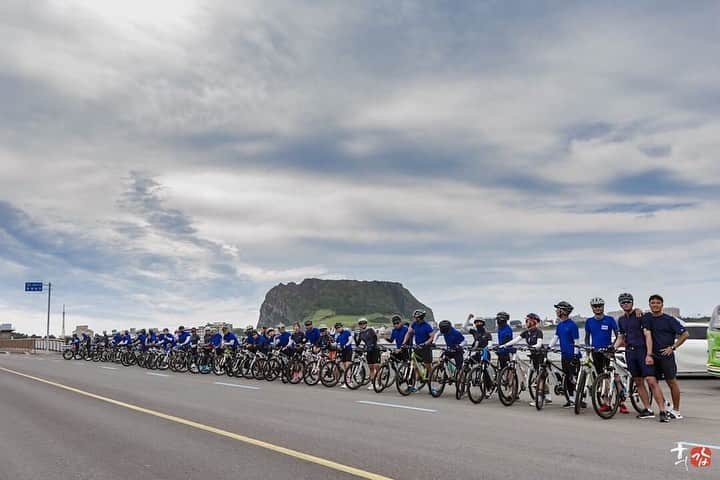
x: 425, y: 354
x: 600, y: 361
x: 373, y: 356
x: 346, y: 355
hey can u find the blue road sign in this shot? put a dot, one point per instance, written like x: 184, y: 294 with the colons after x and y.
x: 33, y: 286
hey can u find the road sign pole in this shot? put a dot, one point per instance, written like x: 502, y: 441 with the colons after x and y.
x: 47, y: 332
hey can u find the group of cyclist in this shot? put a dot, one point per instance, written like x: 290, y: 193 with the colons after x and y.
x: 649, y: 340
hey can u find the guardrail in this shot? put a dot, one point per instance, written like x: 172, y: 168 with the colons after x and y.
x: 30, y: 345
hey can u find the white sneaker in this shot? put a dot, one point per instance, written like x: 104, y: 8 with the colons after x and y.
x: 343, y: 386
x: 674, y: 414
x: 370, y: 387
x: 548, y: 400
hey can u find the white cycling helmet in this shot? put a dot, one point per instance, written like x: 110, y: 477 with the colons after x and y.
x: 597, y: 301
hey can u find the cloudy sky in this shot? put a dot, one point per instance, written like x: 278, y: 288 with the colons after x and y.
x: 166, y: 162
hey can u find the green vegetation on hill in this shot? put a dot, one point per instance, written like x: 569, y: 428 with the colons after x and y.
x: 328, y: 301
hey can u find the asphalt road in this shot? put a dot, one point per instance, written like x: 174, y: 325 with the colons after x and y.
x: 49, y: 432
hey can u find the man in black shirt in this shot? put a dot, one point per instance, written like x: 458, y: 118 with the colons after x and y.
x: 667, y: 335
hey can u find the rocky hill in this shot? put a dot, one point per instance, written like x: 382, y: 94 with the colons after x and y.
x: 327, y: 301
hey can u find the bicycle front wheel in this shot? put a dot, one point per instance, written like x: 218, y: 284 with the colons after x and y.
x: 605, y: 396
x: 580, y: 392
x: 438, y: 379
x: 476, y: 384
x: 355, y: 376
x: 540, y: 390
x: 507, y: 385
x: 406, y: 379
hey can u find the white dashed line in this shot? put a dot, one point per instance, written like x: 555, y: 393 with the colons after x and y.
x: 236, y: 385
x: 392, y: 405
x: 109, y: 368
x: 157, y: 374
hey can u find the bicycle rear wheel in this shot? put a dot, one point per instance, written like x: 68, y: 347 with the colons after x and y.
x: 635, y: 398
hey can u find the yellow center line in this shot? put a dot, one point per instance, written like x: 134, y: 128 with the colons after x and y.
x: 241, y: 438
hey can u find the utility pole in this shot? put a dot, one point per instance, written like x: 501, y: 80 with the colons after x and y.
x: 63, y: 323
x: 47, y: 331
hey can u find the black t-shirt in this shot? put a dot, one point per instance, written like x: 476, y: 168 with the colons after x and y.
x: 664, y: 328
x: 481, y: 338
x: 298, y: 337
x: 194, y: 340
x: 369, y: 337
x: 532, y: 336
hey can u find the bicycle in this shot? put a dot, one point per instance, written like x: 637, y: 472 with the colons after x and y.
x: 508, y: 383
x: 442, y: 372
x: 549, y: 374
x: 388, y: 371
x: 411, y: 373
x: 607, y: 389
x: 358, y: 373
x: 585, y: 381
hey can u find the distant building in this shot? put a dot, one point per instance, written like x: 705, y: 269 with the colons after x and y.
x: 80, y: 329
x: 6, y: 331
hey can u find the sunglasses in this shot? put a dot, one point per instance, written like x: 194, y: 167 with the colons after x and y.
x: 598, y: 306
x: 626, y: 303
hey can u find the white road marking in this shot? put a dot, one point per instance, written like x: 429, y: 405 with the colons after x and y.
x: 157, y: 374
x: 690, y: 444
x: 236, y: 385
x: 109, y: 368
x: 392, y: 405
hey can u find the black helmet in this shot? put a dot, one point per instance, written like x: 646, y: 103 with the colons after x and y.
x: 419, y: 314
x: 565, y: 307
x: 477, y: 320
x: 396, y: 319
x: 181, y: 328
x: 625, y: 298
x: 502, y: 317
x: 445, y: 326
x: 338, y: 325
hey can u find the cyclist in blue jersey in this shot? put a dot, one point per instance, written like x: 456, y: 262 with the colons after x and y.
x: 117, y: 338
x: 167, y: 339
x: 599, y: 332
x: 454, y: 342
x: 397, y: 335
x: 343, y: 339
x: 141, y: 340
x: 183, y: 338
x: 229, y: 339
x: 568, y: 335
x: 312, y: 334
x: 505, y: 335
x: 216, y: 340
x: 283, y: 338
x: 421, y: 332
